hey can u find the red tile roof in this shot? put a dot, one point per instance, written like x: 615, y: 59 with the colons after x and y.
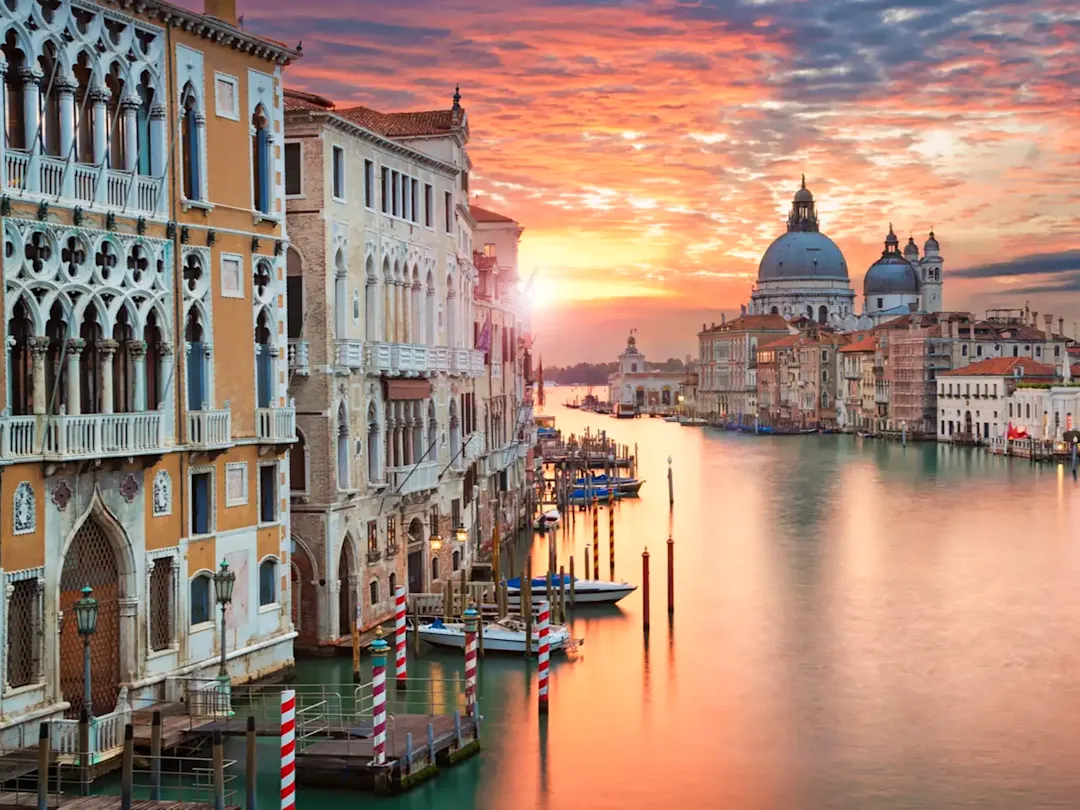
x: 1003, y: 367
x: 392, y: 125
x: 483, y: 215
x: 861, y: 342
x: 299, y: 100
x: 782, y: 343
x: 750, y: 323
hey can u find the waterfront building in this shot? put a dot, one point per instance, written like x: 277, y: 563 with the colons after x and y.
x: 901, y: 283
x: 975, y: 402
x: 728, y: 386
x: 145, y: 419
x: 819, y: 379
x: 379, y: 365
x: 855, y: 408
x: 498, y: 477
x: 636, y: 385
x: 1045, y: 410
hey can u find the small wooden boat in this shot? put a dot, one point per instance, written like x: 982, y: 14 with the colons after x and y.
x: 582, y: 496
x: 624, y: 487
x: 671, y: 419
x: 506, y: 635
x: 691, y: 421
x: 549, y: 520
x: 592, y: 591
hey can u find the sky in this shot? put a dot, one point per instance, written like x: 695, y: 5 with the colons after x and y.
x: 651, y: 148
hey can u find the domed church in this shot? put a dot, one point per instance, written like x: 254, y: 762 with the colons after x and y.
x: 803, y: 273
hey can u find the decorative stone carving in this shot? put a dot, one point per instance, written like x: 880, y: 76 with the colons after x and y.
x: 129, y: 487
x: 24, y: 511
x: 162, y: 494
x: 61, y: 495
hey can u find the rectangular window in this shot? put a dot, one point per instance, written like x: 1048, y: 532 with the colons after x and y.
x: 161, y: 604
x: 236, y: 484
x: 434, y: 521
x: 227, y: 96
x: 294, y: 185
x: 372, y: 536
x: 455, y: 513
x: 489, y: 249
x: 369, y: 184
x: 415, y: 200
x: 200, y: 599
x: 202, y: 503
x: 395, y: 185
x: 406, y: 198
x: 429, y: 203
x: 232, y: 275
x: 448, y: 206
x: 385, y: 183
x: 339, y: 173
x: 391, y: 532
x: 22, y: 618
x: 267, y: 583
x: 268, y: 493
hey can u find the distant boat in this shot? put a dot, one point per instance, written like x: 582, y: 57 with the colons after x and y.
x: 691, y: 421
x: 582, y: 496
x: 624, y: 411
x: 505, y: 635
x: 671, y: 418
x: 593, y: 591
x: 624, y: 487
x: 549, y: 520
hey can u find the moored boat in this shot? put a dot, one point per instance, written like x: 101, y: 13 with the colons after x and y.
x: 691, y: 421
x: 506, y: 635
x: 671, y: 419
x: 591, y: 591
x: 624, y: 487
x: 548, y: 520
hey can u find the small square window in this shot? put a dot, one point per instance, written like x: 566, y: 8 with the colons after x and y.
x: 268, y: 493
x: 339, y: 173
x: 236, y: 484
x: 294, y: 181
x: 227, y: 96
x: 232, y: 275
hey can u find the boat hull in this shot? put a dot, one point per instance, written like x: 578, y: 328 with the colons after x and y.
x: 495, y: 639
x: 584, y: 593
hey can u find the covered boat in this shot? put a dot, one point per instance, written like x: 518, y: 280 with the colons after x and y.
x: 592, y: 591
x: 505, y: 635
x: 624, y: 487
x: 549, y: 520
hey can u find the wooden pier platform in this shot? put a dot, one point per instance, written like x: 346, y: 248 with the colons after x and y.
x: 29, y: 799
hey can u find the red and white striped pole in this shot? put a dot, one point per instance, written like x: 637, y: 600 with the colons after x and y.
x: 400, y: 664
x: 379, y: 649
x: 544, y: 652
x: 471, y: 618
x: 288, y: 749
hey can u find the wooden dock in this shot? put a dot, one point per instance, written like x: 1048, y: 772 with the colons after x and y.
x: 29, y: 799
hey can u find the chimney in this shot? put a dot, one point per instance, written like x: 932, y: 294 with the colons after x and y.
x: 224, y: 10
x: 1061, y: 326
x: 1049, y: 325
x: 1035, y: 318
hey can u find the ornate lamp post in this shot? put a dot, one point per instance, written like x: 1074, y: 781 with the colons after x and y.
x: 224, y: 580
x: 461, y: 533
x: 86, y: 616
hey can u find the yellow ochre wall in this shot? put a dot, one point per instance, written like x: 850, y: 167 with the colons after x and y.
x: 24, y: 550
x: 165, y: 531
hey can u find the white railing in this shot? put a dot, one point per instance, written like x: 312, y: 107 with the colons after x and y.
x: 413, y: 477
x: 146, y: 193
x: 474, y: 447
x: 19, y: 437
x: 298, y: 356
x: 51, y: 175
x: 408, y: 358
x: 106, y: 735
x: 209, y: 428
x: 117, y: 186
x: 476, y: 362
x: 277, y: 425
x: 379, y: 357
x: 459, y: 361
x: 104, y: 434
x: 438, y: 358
x: 16, y: 168
x: 85, y: 182
x: 349, y: 353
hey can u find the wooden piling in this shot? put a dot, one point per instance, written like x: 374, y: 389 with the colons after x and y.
x: 448, y: 598
x: 251, y: 788
x: 356, y: 647
x: 127, y: 774
x: 562, y: 594
x: 218, y: 759
x: 611, y: 537
x: 670, y: 577
x: 42, y: 765
x: 526, y: 606
x: 573, y: 584
x: 670, y: 485
x: 480, y: 631
x: 84, y: 751
x: 416, y: 632
x: 464, y: 604
x: 645, y: 589
x: 155, y: 756
x: 496, y: 542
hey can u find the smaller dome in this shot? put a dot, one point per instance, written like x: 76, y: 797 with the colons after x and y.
x: 891, y: 275
x: 931, y: 244
x: 911, y: 249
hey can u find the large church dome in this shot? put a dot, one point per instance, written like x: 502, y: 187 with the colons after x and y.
x: 892, y: 273
x: 803, y: 252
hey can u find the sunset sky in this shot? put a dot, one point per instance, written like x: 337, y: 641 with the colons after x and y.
x: 651, y: 148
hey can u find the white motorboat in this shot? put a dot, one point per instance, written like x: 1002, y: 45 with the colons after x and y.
x: 549, y: 520
x: 586, y: 591
x: 506, y: 635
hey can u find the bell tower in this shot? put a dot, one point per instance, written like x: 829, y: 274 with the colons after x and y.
x: 930, y: 283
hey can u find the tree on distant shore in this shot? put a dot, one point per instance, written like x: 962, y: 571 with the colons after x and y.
x: 598, y: 373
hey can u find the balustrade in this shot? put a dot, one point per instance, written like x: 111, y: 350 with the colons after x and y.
x: 209, y: 428
x: 276, y: 425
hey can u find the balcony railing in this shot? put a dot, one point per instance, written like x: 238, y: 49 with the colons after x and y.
x: 439, y: 358
x: 275, y: 425
x: 60, y: 178
x: 349, y: 353
x: 298, y: 357
x: 413, y: 477
x: 209, y: 429
x: 378, y: 357
x: 474, y: 447
x: 408, y: 359
x: 82, y: 435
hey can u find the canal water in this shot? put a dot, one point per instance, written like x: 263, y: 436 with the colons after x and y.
x: 857, y: 625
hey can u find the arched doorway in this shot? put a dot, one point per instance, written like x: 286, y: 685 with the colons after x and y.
x: 91, y: 560
x: 346, y: 599
x: 967, y: 423
x: 416, y: 556
x: 305, y: 600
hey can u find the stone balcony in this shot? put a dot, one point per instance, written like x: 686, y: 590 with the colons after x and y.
x: 53, y: 178
x: 349, y: 354
x: 299, y: 362
x: 413, y: 478
x: 419, y: 360
x: 79, y: 436
x: 209, y: 430
x: 275, y: 425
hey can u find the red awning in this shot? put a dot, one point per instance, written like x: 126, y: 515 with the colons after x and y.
x: 407, y: 389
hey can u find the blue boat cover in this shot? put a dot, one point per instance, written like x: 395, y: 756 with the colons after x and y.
x: 541, y: 582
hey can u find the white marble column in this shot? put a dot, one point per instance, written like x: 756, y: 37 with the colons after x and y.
x: 39, y: 347
x: 99, y: 105
x: 31, y: 88
x: 65, y: 89
x: 137, y: 350
x: 129, y: 110
x: 107, y: 348
x: 159, y: 153
x: 74, y: 351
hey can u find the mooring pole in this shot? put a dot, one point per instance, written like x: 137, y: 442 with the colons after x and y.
x: 587, y: 561
x: 128, y: 768
x: 611, y: 537
x: 84, y: 751
x: 252, y: 764
x: 596, y: 543
x: 471, y: 618
x: 155, y: 756
x: 670, y: 577
x: 573, y: 585
x: 526, y: 606
x: 401, y: 666
x: 645, y: 589
x: 218, y: 759
x: 562, y: 594
x: 42, y: 765
x: 542, y: 665
x: 356, y: 642
x: 670, y: 485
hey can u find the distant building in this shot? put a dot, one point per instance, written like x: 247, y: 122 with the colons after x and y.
x: 974, y: 401
x: 635, y: 384
x: 728, y: 383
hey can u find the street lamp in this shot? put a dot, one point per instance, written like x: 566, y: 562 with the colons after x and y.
x: 224, y: 579
x: 435, y: 541
x: 86, y: 616
x: 461, y: 533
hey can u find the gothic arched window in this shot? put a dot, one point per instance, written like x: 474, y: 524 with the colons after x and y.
x: 190, y: 146
x: 260, y: 159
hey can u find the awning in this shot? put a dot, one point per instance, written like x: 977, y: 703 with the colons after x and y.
x: 407, y: 389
